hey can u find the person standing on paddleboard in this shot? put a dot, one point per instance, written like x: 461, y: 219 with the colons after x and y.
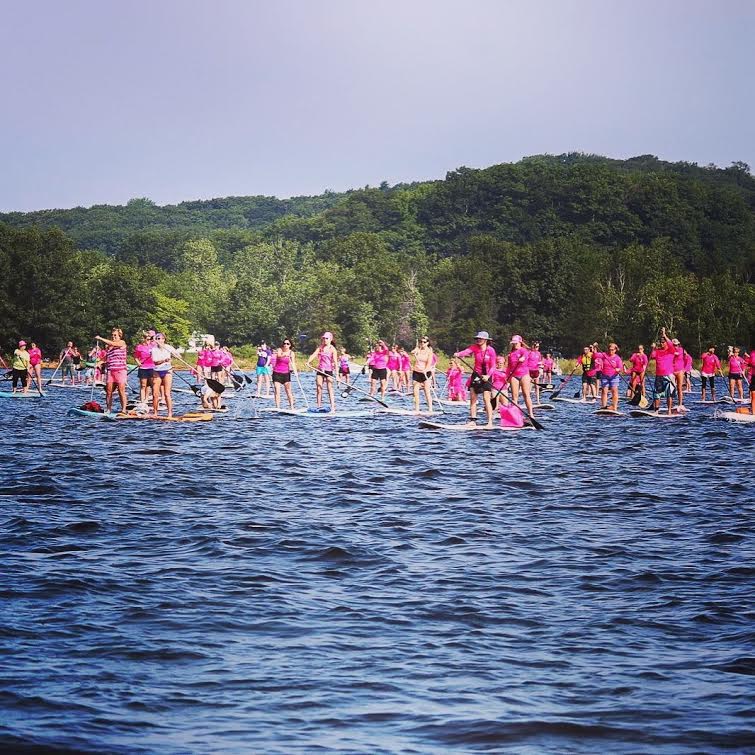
x: 20, y: 367
x: 518, y: 373
x: 750, y: 363
x: 612, y: 367
x: 499, y: 380
x: 639, y: 362
x: 115, y: 360
x: 534, y: 364
x: 143, y: 357
x: 264, y: 357
x: 344, y: 368
x: 455, y: 382
x: 378, y: 361
x: 663, y: 386
x: 736, y: 369
x: 479, y: 385
x: 710, y: 364
x: 585, y: 361
x: 326, y: 355
x: 678, y: 371
x: 284, y: 365
x: 35, y: 362
x: 422, y: 372
x: 406, y: 369
x: 162, y: 374
x: 66, y: 363
x: 548, y: 364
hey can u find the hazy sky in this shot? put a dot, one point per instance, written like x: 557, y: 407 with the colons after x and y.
x: 183, y: 99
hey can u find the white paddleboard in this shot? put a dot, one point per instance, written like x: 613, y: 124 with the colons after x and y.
x: 574, y: 400
x: 406, y: 412
x: 610, y: 413
x: 736, y: 417
x: 469, y: 427
x: 645, y: 413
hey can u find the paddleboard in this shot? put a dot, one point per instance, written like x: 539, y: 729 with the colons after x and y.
x: 406, y: 412
x: 610, y: 412
x: 574, y: 400
x: 736, y: 417
x: 547, y: 407
x: 446, y: 402
x: 30, y: 394
x: 656, y: 415
x: 469, y: 427
x: 78, y: 386
x: 93, y: 415
x: 188, y: 417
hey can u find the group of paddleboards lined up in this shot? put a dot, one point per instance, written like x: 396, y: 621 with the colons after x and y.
x: 509, y: 384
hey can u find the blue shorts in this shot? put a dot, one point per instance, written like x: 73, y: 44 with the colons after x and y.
x: 261, y: 371
x: 610, y: 382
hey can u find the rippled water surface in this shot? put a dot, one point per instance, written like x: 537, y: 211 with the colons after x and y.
x: 284, y: 584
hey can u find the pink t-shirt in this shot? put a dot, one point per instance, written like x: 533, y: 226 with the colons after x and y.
x: 498, y: 378
x: 687, y: 362
x: 484, y: 359
x: 406, y: 363
x: 664, y: 359
x: 517, y: 362
x: 143, y: 352
x: 547, y: 364
x: 533, y: 360
x: 612, y: 365
x: 710, y: 364
x: 35, y: 357
x: 394, y: 361
x: 639, y: 362
x: 454, y: 377
x: 380, y: 359
x: 216, y: 358
x: 736, y: 365
x: 678, y: 358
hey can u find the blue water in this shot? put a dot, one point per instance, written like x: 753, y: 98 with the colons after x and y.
x: 295, y: 585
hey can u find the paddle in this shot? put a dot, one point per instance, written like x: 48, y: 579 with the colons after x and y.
x: 564, y: 383
x: 352, y: 388
x: 60, y: 362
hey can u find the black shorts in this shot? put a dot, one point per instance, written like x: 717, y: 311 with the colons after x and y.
x: 735, y: 376
x: 19, y: 376
x: 588, y: 379
x: 379, y: 373
x: 325, y: 373
x: 478, y: 385
x: 419, y: 377
x: 708, y: 380
x: 216, y: 368
x: 282, y: 377
x: 145, y: 373
x: 347, y: 371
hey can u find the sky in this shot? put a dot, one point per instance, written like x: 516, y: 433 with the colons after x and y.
x: 177, y: 100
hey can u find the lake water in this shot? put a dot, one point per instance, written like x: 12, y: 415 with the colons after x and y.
x: 296, y: 585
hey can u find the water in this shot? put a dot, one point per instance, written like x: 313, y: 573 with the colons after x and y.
x: 291, y: 585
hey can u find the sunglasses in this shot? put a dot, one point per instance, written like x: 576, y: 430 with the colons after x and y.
x: 287, y: 343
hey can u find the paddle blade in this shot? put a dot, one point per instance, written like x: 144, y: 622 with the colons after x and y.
x: 215, y: 385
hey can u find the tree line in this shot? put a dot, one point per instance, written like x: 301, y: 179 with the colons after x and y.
x: 567, y: 249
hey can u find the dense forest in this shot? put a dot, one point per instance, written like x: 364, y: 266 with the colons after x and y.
x: 566, y: 249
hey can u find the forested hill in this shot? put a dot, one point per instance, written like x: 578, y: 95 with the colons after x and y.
x: 564, y: 248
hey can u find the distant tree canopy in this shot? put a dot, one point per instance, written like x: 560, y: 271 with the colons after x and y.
x: 566, y: 249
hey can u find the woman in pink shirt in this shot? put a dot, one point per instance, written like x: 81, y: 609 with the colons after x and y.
x: 35, y: 363
x: 378, y: 361
x: 143, y: 358
x: 736, y: 370
x: 454, y: 382
x: 405, y: 370
x: 518, y: 372
x: 394, y: 368
x: 639, y: 366
x: 750, y: 362
x: 284, y: 365
x: 484, y: 362
x: 326, y: 355
x: 499, y: 380
x: 678, y: 371
x: 548, y: 365
x: 710, y: 364
x: 611, y: 368
x: 687, y: 372
x: 534, y: 363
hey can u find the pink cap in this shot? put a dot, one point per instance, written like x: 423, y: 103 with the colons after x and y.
x: 327, y: 334
x: 22, y: 343
x: 516, y: 339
